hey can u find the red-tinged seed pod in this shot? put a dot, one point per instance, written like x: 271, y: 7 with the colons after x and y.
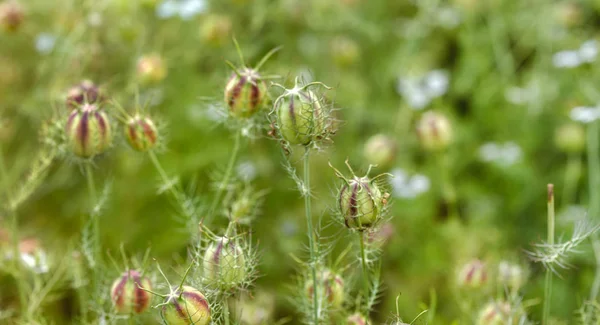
x: 11, y: 15
x: 186, y: 306
x: 88, y: 131
x: 300, y: 116
x: 496, y: 313
x: 360, y: 202
x: 151, y: 69
x: 86, y: 92
x: 380, y: 150
x: 434, y: 131
x: 245, y: 93
x: 473, y: 275
x: 224, y: 264
x: 330, y: 285
x: 357, y: 319
x: 127, y: 295
x: 141, y: 133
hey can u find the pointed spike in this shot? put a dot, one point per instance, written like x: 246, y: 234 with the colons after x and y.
x: 239, y: 51
x: 233, y: 67
x: 163, y: 274
x: 266, y: 57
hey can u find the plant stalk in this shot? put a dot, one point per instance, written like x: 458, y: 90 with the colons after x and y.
x: 93, y: 202
x: 363, y: 260
x: 226, y: 178
x: 593, y: 153
x: 548, y: 283
x: 311, y: 243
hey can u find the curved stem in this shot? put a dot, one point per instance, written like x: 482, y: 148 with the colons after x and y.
x: 223, y: 184
x: 363, y: 260
x: 163, y: 175
x: 311, y: 243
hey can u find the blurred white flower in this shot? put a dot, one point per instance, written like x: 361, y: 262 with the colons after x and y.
x: 406, y: 186
x: 585, y: 114
x: 505, y: 154
x: 44, y: 43
x: 37, y: 262
x: 448, y: 17
x: 185, y: 9
x: 420, y: 91
x: 246, y: 171
x: 95, y: 19
x: 587, y: 52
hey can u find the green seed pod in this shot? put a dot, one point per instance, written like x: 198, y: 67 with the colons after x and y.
x: 86, y: 92
x: 357, y: 319
x: 216, y: 29
x: 380, y: 150
x: 11, y: 15
x: 496, y: 313
x: 141, y: 133
x: 224, y: 264
x: 361, y: 203
x: 151, y: 69
x: 473, y: 275
x: 331, y: 286
x: 570, y: 138
x: 88, y: 131
x: 300, y: 117
x: 126, y: 295
x: 512, y: 276
x: 245, y: 93
x: 434, y: 131
x: 344, y: 51
x: 185, y: 307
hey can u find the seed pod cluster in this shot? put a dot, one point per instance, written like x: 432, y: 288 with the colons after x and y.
x: 224, y: 264
x: 361, y: 202
x: 434, y: 131
x: 245, y: 93
x: 331, y: 286
x: 127, y: 295
x: 473, y: 274
x: 301, y: 118
x: 88, y: 131
x: 186, y: 306
x: 141, y: 133
x: 86, y: 92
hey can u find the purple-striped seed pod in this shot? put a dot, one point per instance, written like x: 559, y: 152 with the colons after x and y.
x: 434, y: 131
x: 245, y: 93
x: 88, y: 131
x: 11, y: 15
x: 361, y: 203
x: 331, y: 286
x: 141, y: 133
x: 380, y: 150
x: 300, y: 116
x: 186, y: 306
x: 473, y: 274
x: 151, y: 69
x: 127, y: 295
x: 224, y: 264
x: 496, y: 313
x: 86, y: 92
x: 357, y: 319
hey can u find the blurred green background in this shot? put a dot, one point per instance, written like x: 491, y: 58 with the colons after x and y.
x: 506, y: 74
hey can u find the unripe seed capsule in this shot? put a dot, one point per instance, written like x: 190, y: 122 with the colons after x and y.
x: 473, y: 274
x: 330, y: 285
x: 151, y: 69
x: 570, y: 138
x: 224, y: 264
x: 245, y: 93
x: 86, y: 92
x: 186, y: 306
x: 141, y: 133
x: 380, y: 150
x: 300, y: 117
x: 88, y: 131
x: 357, y: 319
x: 434, y: 131
x: 511, y: 275
x: 127, y: 296
x: 496, y: 313
x: 361, y: 203
x: 215, y: 29
x: 11, y: 15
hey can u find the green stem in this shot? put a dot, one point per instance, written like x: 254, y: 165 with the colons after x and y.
x: 163, y: 175
x: 363, y: 260
x: 226, y: 311
x: 448, y: 191
x: 593, y: 153
x: 14, y: 229
x: 572, y: 175
x: 311, y: 244
x: 93, y: 202
x: 223, y: 184
x: 548, y: 282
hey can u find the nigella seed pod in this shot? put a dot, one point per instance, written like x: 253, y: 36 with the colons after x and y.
x: 127, y: 295
x: 11, y: 15
x: 360, y: 202
x: 86, y: 92
x: 357, y: 319
x: 224, y: 264
x: 151, y: 69
x: 331, y: 286
x: 186, y: 306
x: 570, y: 138
x: 473, y: 275
x: 88, y: 131
x: 300, y: 116
x: 496, y: 313
x: 245, y: 93
x: 141, y: 133
x: 511, y: 275
x: 380, y: 150
x: 434, y: 131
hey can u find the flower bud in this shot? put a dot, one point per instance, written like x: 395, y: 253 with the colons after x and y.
x: 570, y: 138
x: 11, y: 15
x: 344, y: 51
x: 127, y: 296
x: 357, y: 319
x: 380, y: 150
x: 151, y: 69
x: 434, y: 131
x: 511, y: 275
x: 300, y: 116
x: 86, y: 92
x: 88, y: 131
x: 245, y: 93
x: 141, y: 133
x: 186, y: 306
x: 224, y: 264
x: 473, y: 275
x: 361, y: 202
x: 330, y: 285
x: 215, y: 29
x: 495, y: 313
